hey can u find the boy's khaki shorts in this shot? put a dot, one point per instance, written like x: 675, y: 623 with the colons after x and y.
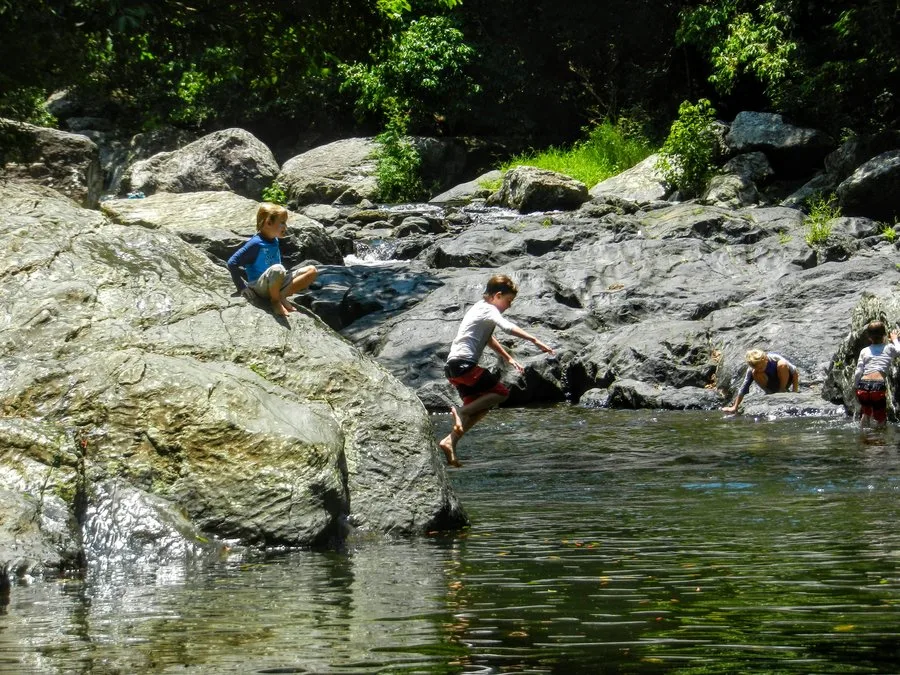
x: 276, y: 276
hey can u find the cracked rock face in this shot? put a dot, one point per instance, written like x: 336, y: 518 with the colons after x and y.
x: 196, y: 414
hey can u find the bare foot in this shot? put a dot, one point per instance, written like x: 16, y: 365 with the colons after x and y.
x: 457, y: 422
x: 447, y: 446
x: 288, y: 307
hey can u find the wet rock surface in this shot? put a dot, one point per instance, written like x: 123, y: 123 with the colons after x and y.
x: 671, y: 297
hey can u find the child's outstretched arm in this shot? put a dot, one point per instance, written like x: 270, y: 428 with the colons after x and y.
x: 743, y: 391
x: 518, y: 332
x: 505, y: 355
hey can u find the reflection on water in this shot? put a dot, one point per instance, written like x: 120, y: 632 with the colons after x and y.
x: 602, y: 541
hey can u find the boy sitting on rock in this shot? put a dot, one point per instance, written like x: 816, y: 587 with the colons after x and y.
x: 259, y: 260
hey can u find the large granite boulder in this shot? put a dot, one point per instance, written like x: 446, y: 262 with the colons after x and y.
x: 491, y: 243
x: 220, y: 222
x: 38, y: 483
x: 465, y: 193
x: 790, y: 404
x: 643, y: 183
x: 625, y: 393
x: 737, y: 184
x: 731, y: 191
x: 792, y: 150
x: 528, y: 189
x: 179, y: 398
x: 841, y: 163
x: 118, y: 154
x: 66, y: 162
x: 340, y: 172
x: 873, y: 190
x: 232, y: 159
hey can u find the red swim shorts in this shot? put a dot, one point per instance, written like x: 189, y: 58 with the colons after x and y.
x: 472, y: 381
x: 872, y: 397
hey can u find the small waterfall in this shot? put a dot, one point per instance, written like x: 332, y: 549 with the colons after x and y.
x: 565, y: 386
x: 372, y: 252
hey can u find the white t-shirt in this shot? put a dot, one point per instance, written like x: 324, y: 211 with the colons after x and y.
x: 875, y: 358
x: 476, y: 330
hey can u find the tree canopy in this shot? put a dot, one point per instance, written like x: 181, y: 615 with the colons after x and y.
x: 540, y: 70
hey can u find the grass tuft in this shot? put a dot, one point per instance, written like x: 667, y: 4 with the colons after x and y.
x: 609, y: 149
x: 822, y: 211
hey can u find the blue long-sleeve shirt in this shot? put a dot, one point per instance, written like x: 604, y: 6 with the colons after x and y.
x: 255, y: 257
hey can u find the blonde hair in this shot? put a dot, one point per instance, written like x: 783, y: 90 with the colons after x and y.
x: 755, y: 356
x: 268, y: 210
x: 500, y: 283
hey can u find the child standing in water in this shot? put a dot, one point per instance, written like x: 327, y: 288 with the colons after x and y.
x: 871, y: 373
x: 481, y: 389
x: 772, y: 372
x: 260, y: 260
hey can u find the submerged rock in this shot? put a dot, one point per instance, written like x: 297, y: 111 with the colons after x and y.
x: 790, y: 404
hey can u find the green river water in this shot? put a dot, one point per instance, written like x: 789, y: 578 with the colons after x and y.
x: 601, y: 541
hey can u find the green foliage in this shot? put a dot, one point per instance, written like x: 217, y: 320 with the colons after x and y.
x: 818, y: 226
x: 803, y: 54
x: 755, y: 40
x: 492, y: 185
x: 396, y: 8
x: 499, y: 67
x: 687, y: 158
x: 42, y: 47
x: 784, y: 238
x: 275, y: 194
x: 608, y: 149
x: 421, y: 72
x: 398, y: 164
x: 889, y: 232
x: 203, y: 64
x: 27, y: 105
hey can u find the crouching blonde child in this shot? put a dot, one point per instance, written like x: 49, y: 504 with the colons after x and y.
x: 772, y: 372
x: 481, y: 389
x: 257, y: 264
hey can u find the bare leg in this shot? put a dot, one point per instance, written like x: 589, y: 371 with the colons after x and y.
x: 457, y: 422
x: 472, y: 420
x: 485, y: 402
x: 277, y: 305
x: 448, y: 445
x: 784, y: 375
x: 449, y: 442
x: 464, y: 419
x: 302, y: 279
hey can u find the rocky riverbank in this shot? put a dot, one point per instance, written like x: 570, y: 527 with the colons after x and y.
x: 149, y: 413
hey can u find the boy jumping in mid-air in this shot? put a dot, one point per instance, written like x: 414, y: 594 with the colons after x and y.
x: 260, y: 258
x: 481, y: 389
